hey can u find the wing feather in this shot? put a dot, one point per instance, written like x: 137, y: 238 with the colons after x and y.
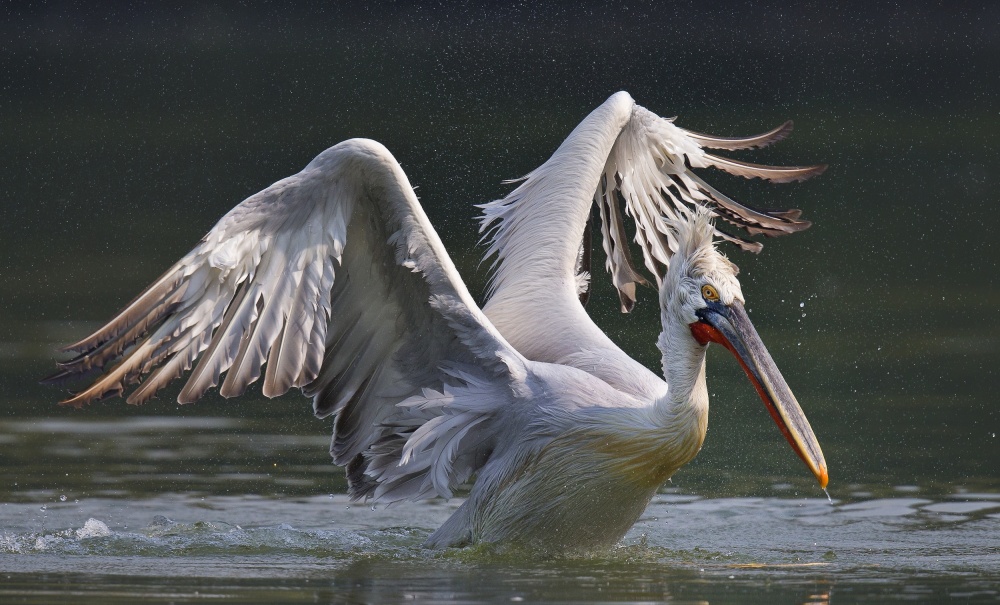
x: 622, y: 149
x: 776, y: 174
x: 623, y: 159
x: 333, y: 281
x: 733, y: 143
x: 219, y: 356
x: 653, y: 159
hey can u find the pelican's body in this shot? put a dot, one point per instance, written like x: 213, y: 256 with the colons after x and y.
x: 335, y: 278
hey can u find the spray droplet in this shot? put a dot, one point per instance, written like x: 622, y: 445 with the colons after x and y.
x: 828, y: 495
x: 802, y: 304
x: 62, y: 498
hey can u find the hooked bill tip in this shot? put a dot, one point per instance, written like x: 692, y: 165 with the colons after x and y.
x: 823, y: 478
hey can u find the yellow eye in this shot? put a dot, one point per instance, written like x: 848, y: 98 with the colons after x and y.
x: 710, y: 293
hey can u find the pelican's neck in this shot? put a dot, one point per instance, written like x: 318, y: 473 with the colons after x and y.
x: 646, y: 445
x: 683, y: 360
x: 683, y: 409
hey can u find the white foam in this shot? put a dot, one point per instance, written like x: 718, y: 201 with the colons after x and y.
x: 93, y: 529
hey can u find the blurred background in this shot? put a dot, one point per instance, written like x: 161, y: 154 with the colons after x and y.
x: 129, y: 129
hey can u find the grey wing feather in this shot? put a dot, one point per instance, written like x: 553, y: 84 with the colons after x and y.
x: 777, y: 174
x: 335, y: 281
x: 625, y: 159
x: 651, y: 163
x: 733, y: 143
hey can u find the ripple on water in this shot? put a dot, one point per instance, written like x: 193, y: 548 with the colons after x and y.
x: 883, y: 507
x: 255, y: 537
x: 961, y: 507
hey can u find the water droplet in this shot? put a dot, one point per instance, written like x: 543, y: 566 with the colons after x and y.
x: 802, y: 304
x: 62, y: 498
x: 803, y: 315
x: 43, y: 507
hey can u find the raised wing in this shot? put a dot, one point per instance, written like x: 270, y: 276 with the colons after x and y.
x: 335, y: 279
x: 623, y: 159
x: 623, y: 154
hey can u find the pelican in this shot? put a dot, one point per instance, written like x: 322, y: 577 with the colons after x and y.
x: 334, y: 281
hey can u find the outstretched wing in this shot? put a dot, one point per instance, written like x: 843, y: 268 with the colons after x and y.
x: 335, y: 280
x: 622, y: 151
x: 619, y: 155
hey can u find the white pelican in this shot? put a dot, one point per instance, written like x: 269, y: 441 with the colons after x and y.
x: 335, y: 280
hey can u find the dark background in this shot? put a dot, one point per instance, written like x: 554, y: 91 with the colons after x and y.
x: 128, y: 129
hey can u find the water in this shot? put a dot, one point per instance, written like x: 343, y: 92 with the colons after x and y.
x: 127, y: 135
x: 685, y: 548
x: 176, y: 519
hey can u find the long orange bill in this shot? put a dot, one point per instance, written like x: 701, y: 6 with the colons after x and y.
x: 729, y: 326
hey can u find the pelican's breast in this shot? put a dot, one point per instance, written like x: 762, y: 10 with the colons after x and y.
x: 584, y: 490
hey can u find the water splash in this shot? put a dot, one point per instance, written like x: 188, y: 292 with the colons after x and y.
x: 93, y: 528
x: 828, y: 496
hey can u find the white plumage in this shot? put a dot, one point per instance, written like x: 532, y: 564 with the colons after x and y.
x: 334, y: 281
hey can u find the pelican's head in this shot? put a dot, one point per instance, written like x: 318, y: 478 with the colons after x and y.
x: 698, y: 269
x: 701, y: 289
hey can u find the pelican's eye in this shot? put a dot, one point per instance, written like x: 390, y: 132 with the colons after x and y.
x: 710, y: 293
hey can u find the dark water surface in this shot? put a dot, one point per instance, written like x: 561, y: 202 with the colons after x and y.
x: 128, y: 132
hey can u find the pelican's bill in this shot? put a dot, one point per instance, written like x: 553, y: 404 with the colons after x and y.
x: 730, y: 326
